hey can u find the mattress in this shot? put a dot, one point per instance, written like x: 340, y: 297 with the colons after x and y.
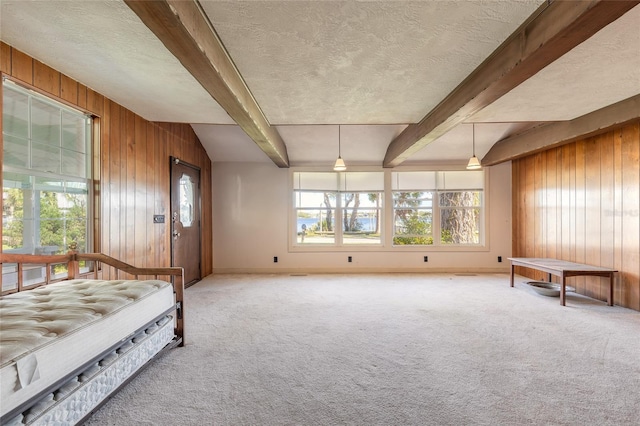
x: 51, y: 332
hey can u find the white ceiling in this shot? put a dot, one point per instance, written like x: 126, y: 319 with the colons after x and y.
x: 366, y: 68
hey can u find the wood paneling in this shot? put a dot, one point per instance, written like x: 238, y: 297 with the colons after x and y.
x: 630, y: 217
x: 133, y: 166
x: 5, y: 58
x: 46, y: 78
x: 69, y: 89
x: 586, y: 203
x: 21, y: 66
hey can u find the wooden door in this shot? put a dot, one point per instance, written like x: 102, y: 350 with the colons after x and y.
x: 185, y: 219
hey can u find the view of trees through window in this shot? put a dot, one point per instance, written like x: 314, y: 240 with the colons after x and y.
x: 46, y: 159
x: 428, y: 208
x: 356, y: 217
x: 61, y: 219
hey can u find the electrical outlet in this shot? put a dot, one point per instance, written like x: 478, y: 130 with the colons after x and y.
x: 349, y: 259
x: 275, y: 259
x: 426, y: 258
x: 499, y: 258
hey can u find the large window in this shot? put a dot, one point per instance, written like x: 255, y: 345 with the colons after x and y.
x: 46, y: 175
x: 455, y: 217
x: 338, y: 208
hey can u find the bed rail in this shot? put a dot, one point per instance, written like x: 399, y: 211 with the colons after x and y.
x: 71, y: 263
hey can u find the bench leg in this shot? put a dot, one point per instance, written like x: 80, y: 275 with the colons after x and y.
x: 610, y: 295
x: 563, y: 291
x: 513, y: 268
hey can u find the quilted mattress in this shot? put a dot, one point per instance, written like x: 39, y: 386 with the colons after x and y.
x: 50, y: 332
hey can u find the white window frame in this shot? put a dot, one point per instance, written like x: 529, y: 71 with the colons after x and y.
x: 388, y: 216
x: 67, y: 180
x: 341, y: 188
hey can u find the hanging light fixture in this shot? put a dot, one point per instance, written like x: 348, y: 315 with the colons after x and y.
x: 474, y: 163
x: 339, y: 166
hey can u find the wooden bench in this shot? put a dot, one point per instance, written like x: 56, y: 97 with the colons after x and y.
x: 564, y: 269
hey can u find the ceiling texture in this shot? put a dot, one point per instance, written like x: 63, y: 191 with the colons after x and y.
x: 395, y: 82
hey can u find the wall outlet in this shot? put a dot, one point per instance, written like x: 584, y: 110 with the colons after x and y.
x: 349, y: 259
x: 275, y: 259
x: 499, y: 258
x: 425, y: 258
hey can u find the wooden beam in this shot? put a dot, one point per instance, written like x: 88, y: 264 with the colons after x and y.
x: 555, y: 134
x: 185, y: 30
x: 553, y: 30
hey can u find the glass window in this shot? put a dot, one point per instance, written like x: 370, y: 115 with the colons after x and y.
x: 187, y: 199
x: 428, y: 208
x: 455, y: 219
x: 338, y: 208
x: 315, y: 217
x: 361, y: 215
x: 460, y: 217
x: 412, y: 218
x: 46, y: 148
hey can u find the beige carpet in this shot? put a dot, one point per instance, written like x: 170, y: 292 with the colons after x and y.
x: 396, y: 349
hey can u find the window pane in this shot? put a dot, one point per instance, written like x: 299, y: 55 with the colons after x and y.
x: 315, y: 226
x: 362, y: 227
x: 186, y: 200
x: 45, y: 123
x: 76, y: 229
x: 73, y: 132
x: 16, y: 151
x: 413, y: 226
x: 51, y: 236
x: 361, y: 217
x: 45, y: 158
x: 12, y: 230
x: 460, y: 226
x: 460, y: 199
x: 15, y: 113
x: 48, y: 184
x: 412, y: 199
x: 44, y: 214
x: 309, y: 199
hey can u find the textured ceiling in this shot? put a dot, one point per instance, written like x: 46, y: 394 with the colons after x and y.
x: 104, y: 45
x: 382, y: 62
x: 372, y: 67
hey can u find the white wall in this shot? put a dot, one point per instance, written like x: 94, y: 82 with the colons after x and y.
x: 250, y: 214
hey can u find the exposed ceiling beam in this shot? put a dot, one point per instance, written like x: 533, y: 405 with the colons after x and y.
x: 559, y: 133
x: 553, y: 30
x: 185, y: 30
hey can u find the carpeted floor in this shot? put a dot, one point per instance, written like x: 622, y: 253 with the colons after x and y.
x: 390, y: 349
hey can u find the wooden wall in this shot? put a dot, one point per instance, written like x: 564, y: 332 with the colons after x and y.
x: 131, y: 166
x: 581, y: 202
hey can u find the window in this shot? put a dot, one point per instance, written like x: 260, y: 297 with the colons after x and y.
x: 338, y: 208
x: 454, y: 220
x: 46, y: 174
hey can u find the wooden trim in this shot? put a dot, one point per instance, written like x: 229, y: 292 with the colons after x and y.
x: 552, y: 31
x: 184, y: 29
x: 560, y: 133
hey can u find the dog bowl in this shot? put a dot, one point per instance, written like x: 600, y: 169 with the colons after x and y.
x: 548, y: 289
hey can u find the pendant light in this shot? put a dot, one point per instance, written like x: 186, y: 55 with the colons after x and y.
x: 474, y: 163
x: 339, y: 166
